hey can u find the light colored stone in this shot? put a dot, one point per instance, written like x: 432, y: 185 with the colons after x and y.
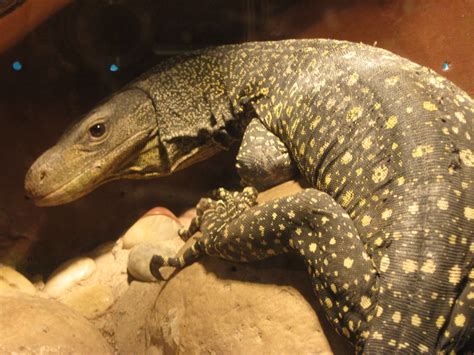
x: 69, y: 274
x: 10, y: 279
x: 157, y: 226
x: 224, y: 308
x: 33, y: 325
x: 140, y: 257
x: 91, y: 301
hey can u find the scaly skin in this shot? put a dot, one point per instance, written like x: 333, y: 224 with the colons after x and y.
x: 387, y: 230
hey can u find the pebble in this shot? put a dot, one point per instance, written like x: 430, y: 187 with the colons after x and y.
x: 91, y: 301
x: 69, y: 274
x: 140, y: 257
x: 12, y: 280
x: 157, y: 226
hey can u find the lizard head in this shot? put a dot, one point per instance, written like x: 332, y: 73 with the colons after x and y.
x: 152, y: 128
x: 94, y: 150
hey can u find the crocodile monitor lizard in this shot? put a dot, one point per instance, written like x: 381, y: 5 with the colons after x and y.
x: 386, y: 232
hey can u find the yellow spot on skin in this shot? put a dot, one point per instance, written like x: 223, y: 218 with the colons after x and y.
x: 429, y: 106
x: 454, y: 275
x: 409, y: 265
x: 384, y: 263
x: 354, y: 113
x: 467, y: 157
x: 348, y: 263
x: 347, y: 198
x: 380, y: 174
x: 423, y: 348
x: 333, y: 288
x: 327, y: 179
x: 377, y: 106
x: 313, y: 247
x: 452, y: 239
x: 442, y: 204
x: 428, y: 267
x: 459, y: 320
x: 401, y: 180
x: 391, y: 122
x: 460, y: 116
x: 413, y: 208
x: 440, y: 322
x: 359, y: 171
x: 314, y: 122
x: 277, y: 109
x: 328, y: 302
x: 386, y: 214
x: 353, y: 79
x: 346, y: 332
x: 392, y: 80
x: 469, y: 213
x: 421, y: 150
x: 332, y: 241
x: 397, y: 235
x: 379, y: 311
x: 365, y: 302
x: 302, y: 149
x: 367, y: 143
x: 409, y: 109
x: 415, y: 320
x: 346, y: 158
x: 396, y: 317
x: 366, y: 220
x: 377, y: 335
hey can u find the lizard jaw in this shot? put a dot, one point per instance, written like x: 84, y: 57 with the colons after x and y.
x: 36, y: 182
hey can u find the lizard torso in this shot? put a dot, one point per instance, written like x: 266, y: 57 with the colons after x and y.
x: 391, y: 142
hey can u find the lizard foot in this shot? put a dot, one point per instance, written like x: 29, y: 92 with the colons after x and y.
x: 213, y: 214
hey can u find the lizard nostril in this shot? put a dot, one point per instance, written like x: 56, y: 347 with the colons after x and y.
x: 42, y: 175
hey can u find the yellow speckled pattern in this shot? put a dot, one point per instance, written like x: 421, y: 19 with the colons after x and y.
x: 387, y: 145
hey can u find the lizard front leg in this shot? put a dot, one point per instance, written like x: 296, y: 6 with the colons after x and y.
x: 263, y: 160
x: 309, y: 223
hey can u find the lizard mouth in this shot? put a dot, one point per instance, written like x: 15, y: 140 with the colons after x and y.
x: 86, y: 181
x: 64, y: 193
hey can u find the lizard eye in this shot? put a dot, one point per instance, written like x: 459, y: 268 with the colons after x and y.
x: 97, y: 130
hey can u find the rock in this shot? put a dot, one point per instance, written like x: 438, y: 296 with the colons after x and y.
x: 12, y: 280
x: 91, y: 301
x: 68, y: 274
x: 124, y: 322
x: 220, y: 307
x: 33, y: 325
x: 139, y: 261
x: 157, y: 226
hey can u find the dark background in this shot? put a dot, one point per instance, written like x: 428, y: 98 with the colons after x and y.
x: 66, y: 71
